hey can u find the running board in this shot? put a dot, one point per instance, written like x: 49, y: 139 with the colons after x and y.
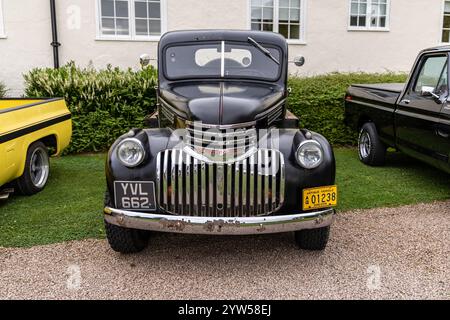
x: 4, y: 194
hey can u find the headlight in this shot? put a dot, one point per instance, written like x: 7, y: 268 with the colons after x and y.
x: 309, y: 154
x: 131, y: 152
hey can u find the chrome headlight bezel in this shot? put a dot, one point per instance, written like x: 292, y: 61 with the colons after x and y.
x: 300, y: 154
x: 139, y: 146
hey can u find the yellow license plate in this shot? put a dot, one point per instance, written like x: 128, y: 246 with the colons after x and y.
x: 322, y: 197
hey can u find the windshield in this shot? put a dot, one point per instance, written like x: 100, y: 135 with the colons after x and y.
x: 221, y: 60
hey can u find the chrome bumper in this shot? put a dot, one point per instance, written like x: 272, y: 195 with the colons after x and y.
x: 219, y: 225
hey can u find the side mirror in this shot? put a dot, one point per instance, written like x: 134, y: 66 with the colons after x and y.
x: 299, y: 61
x: 428, y: 92
x: 144, y: 60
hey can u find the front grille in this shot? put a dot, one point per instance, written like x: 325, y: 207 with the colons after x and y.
x: 221, y: 144
x: 251, y: 187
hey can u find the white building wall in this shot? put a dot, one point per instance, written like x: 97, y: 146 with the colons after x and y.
x: 414, y: 25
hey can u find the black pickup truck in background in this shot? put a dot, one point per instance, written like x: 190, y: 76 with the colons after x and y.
x: 414, y: 117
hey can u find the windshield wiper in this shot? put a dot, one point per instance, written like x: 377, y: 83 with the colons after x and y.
x: 263, y: 50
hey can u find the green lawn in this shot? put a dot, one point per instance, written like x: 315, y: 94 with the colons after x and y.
x: 71, y: 205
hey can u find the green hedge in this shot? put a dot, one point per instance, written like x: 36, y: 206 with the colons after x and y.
x: 319, y: 102
x: 104, y: 103
x: 2, y: 90
x: 107, y: 103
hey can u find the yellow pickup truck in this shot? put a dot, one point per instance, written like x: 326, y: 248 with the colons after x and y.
x: 30, y: 130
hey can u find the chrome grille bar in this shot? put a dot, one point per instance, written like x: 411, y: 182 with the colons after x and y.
x: 251, y: 187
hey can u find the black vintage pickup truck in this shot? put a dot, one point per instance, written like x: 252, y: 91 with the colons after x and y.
x: 413, y: 118
x: 222, y: 156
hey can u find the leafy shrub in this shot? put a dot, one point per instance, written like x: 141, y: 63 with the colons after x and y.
x: 319, y: 102
x: 2, y: 90
x: 107, y: 103
x: 104, y: 103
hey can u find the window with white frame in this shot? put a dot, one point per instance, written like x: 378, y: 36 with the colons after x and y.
x: 130, y: 19
x: 369, y: 14
x: 446, y: 24
x: 283, y: 16
x: 2, y: 26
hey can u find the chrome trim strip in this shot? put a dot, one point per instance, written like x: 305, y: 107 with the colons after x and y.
x: 211, y: 187
x: 220, y: 127
x: 229, y: 181
x: 273, y: 165
x: 203, y: 186
x: 244, y: 188
x: 196, y: 190
x: 188, y: 184
x: 219, y: 225
x: 172, y: 181
x: 165, y: 178
x: 180, y: 202
x: 259, y: 190
x: 220, y: 180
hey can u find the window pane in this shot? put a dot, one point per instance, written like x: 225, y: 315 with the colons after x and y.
x: 284, y: 30
x: 141, y: 27
x: 284, y: 15
x: 362, y: 21
x: 354, y: 9
x: 354, y: 21
x: 284, y: 3
x: 256, y: 26
x: 295, y: 15
x: 256, y: 13
x: 383, y: 8
x: 107, y: 8
x: 268, y: 14
x: 373, y: 22
x: 108, y: 26
x: 256, y: 3
x: 295, y: 3
x: 140, y: 9
x: 446, y: 36
x: 122, y: 27
x: 155, y: 27
x: 295, y: 32
x: 363, y: 9
x: 267, y: 27
x: 383, y: 22
x: 447, y: 7
x: 446, y: 21
x: 154, y: 10
x: 430, y: 73
x: 122, y: 9
x: 267, y: 3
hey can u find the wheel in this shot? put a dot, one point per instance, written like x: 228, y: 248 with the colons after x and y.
x: 125, y: 240
x: 36, y: 171
x: 313, y: 239
x: 370, y: 148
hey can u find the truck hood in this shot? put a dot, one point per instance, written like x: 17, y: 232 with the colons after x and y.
x: 221, y: 103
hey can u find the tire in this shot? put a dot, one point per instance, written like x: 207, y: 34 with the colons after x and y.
x: 370, y: 148
x: 36, y: 172
x: 125, y: 240
x: 313, y: 239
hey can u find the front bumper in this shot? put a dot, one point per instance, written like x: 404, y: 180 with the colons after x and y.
x: 219, y: 225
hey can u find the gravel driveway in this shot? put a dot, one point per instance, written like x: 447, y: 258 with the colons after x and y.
x: 383, y: 253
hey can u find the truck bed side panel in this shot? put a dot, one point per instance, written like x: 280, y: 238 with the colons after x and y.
x: 365, y: 103
x: 22, y: 123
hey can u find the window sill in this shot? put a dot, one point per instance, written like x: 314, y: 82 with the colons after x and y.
x: 3, y: 36
x: 368, y: 29
x: 127, y: 39
x: 299, y: 42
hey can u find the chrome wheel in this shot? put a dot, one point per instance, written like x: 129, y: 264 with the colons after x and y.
x: 365, y: 144
x: 39, y: 167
